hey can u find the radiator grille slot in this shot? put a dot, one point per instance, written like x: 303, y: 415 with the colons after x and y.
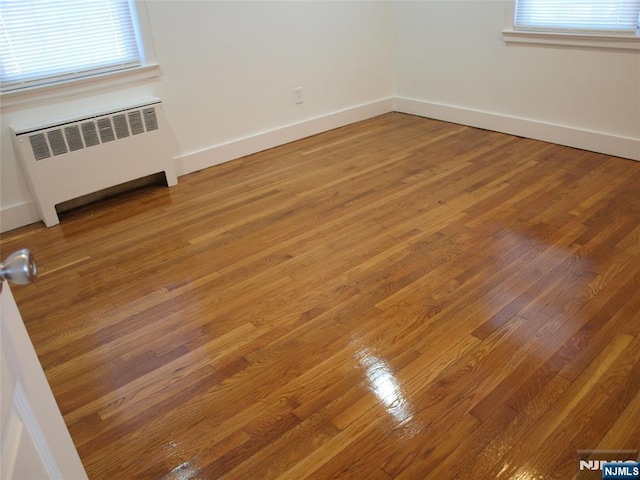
x: 106, y: 131
x: 150, y: 120
x: 56, y: 142
x: 39, y: 146
x: 135, y: 121
x: 74, y: 139
x: 120, y: 124
x: 91, y: 132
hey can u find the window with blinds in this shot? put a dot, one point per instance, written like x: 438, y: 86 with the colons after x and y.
x: 46, y: 41
x: 580, y: 16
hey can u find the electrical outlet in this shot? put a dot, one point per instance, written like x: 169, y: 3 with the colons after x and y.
x: 298, y: 95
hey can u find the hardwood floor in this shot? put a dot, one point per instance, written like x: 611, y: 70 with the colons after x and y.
x: 399, y: 298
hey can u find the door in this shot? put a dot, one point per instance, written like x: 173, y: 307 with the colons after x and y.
x: 35, y: 441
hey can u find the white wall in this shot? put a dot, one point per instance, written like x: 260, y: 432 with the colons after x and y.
x: 229, y: 68
x: 228, y: 73
x: 452, y: 63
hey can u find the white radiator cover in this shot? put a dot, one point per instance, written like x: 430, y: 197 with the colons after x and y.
x: 66, y: 159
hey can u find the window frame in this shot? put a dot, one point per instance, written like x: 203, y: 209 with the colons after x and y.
x: 148, y: 69
x: 616, y: 41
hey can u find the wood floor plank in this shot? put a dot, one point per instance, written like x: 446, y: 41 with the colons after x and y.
x: 397, y: 298
x: 578, y: 394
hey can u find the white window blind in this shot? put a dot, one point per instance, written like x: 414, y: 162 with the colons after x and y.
x: 584, y: 16
x: 43, y: 41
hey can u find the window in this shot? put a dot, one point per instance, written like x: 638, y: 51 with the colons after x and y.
x: 611, y: 24
x: 48, y: 41
x: 581, y: 16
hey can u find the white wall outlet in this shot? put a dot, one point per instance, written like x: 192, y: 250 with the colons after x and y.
x: 298, y: 95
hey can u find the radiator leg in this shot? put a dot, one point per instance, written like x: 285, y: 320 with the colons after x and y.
x: 171, y: 177
x: 49, y: 215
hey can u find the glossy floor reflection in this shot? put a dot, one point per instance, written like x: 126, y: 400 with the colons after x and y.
x: 385, y: 387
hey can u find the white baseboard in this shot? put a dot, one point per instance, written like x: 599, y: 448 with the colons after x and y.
x: 217, y: 154
x: 26, y: 213
x: 572, y: 137
x: 17, y: 216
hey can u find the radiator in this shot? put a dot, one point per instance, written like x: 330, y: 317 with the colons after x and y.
x: 67, y: 159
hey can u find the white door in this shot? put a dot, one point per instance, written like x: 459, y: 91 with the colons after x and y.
x: 35, y: 441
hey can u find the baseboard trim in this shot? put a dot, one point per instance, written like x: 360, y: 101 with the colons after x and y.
x: 572, y: 137
x: 251, y: 144
x: 17, y: 216
x: 20, y: 215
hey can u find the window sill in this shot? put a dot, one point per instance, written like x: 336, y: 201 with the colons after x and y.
x: 67, y: 88
x: 618, y: 42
